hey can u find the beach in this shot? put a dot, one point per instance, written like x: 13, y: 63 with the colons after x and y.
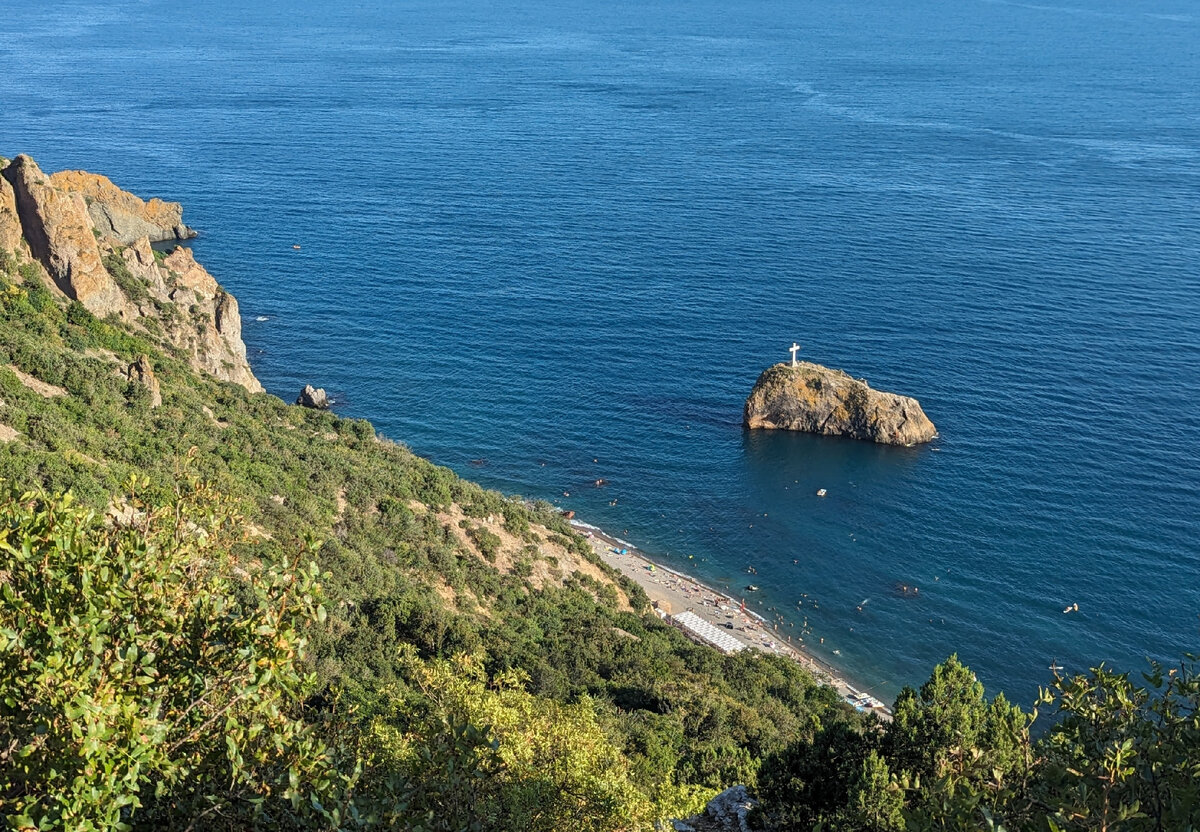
x: 673, y: 593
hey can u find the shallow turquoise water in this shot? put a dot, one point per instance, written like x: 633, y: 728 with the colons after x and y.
x: 542, y: 234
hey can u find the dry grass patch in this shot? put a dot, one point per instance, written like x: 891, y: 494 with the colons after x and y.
x: 547, y: 563
x: 48, y: 391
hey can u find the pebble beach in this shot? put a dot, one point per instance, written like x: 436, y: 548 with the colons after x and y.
x: 673, y: 592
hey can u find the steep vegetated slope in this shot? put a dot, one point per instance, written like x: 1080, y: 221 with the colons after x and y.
x: 445, y: 607
x: 248, y: 614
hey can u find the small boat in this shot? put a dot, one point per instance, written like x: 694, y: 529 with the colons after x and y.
x: 751, y: 588
x: 821, y: 492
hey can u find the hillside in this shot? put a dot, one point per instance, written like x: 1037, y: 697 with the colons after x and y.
x: 416, y: 562
x: 248, y: 613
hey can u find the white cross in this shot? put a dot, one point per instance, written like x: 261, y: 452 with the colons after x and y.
x: 795, y: 349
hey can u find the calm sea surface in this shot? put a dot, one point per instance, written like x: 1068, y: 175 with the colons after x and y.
x: 565, y: 238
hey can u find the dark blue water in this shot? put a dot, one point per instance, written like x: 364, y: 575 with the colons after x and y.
x: 565, y: 238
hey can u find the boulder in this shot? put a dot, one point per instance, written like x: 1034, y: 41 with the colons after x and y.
x: 727, y: 812
x: 58, y: 230
x: 814, y: 399
x: 119, y: 215
x: 313, y: 397
x: 140, y: 372
x: 729, y: 809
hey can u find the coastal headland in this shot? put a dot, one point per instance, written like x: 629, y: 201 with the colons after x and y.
x: 88, y: 241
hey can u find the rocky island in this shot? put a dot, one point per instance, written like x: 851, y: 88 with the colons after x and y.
x: 808, y: 397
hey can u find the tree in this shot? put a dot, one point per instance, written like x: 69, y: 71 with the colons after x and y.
x: 876, y: 803
x: 808, y: 784
x: 1124, y: 756
x: 462, y: 752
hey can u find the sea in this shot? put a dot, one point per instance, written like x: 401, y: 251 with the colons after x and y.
x: 550, y: 242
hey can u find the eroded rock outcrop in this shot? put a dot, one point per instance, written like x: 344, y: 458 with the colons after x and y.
x: 118, y: 214
x: 206, y: 323
x: 314, y: 397
x: 814, y: 399
x: 58, y: 230
x: 727, y: 812
x: 89, y: 256
x: 140, y: 372
x: 11, y: 239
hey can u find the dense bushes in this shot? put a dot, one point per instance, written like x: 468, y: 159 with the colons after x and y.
x: 181, y: 672
x: 1117, y: 756
x: 148, y: 676
x: 398, y: 579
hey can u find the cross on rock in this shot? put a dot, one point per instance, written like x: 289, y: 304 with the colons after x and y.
x: 795, y: 349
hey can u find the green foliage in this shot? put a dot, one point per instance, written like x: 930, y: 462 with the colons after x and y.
x: 876, y: 803
x: 486, y: 541
x: 1123, y: 756
x: 169, y: 667
x: 147, y: 677
x: 534, y: 765
x: 133, y: 288
x: 677, y: 717
x: 1119, y: 756
x: 810, y: 783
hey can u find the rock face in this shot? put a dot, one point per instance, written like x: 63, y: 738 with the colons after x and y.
x: 210, y: 328
x: 815, y: 399
x: 313, y: 397
x: 120, y: 215
x: 59, y: 232
x: 77, y: 225
x: 140, y: 372
x: 727, y: 812
x: 11, y: 240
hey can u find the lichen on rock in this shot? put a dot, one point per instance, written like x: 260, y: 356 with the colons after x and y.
x: 815, y: 399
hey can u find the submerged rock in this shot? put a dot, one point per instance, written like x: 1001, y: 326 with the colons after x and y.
x: 814, y: 399
x: 313, y: 397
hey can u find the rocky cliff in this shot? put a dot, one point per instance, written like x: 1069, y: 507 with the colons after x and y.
x: 92, y: 242
x: 119, y: 215
x: 815, y: 399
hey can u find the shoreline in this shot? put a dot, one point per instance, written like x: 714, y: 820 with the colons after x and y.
x: 672, y: 593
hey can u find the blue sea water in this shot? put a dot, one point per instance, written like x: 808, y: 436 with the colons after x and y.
x: 565, y: 237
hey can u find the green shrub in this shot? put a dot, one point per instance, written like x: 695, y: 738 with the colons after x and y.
x: 140, y: 680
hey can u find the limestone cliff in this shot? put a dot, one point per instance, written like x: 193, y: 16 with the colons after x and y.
x: 815, y: 399
x: 204, y: 322
x: 76, y: 226
x: 58, y: 230
x: 121, y: 216
x: 11, y: 239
